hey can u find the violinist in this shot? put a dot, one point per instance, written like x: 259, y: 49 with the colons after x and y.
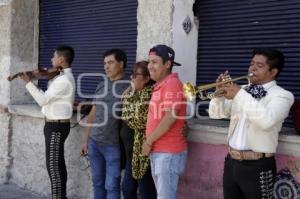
x: 40, y: 73
x: 57, y: 104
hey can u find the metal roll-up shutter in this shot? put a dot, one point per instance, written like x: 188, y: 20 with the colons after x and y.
x: 230, y: 30
x: 91, y: 27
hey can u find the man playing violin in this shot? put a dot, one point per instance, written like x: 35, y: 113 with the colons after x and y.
x: 57, y: 107
x: 256, y: 115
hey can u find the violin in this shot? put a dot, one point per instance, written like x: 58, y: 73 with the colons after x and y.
x: 40, y: 73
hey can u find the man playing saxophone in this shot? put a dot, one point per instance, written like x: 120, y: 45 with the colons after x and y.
x: 256, y: 115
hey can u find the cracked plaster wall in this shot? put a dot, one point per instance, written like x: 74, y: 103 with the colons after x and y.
x: 154, y: 25
x: 29, y: 168
x: 5, y: 41
x: 18, y: 19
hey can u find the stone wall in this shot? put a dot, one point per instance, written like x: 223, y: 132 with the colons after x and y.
x: 17, y: 25
x: 5, y: 46
x: 5, y: 147
x: 5, y: 41
x: 28, y: 152
x: 23, y: 48
x: 18, y: 47
x: 154, y: 25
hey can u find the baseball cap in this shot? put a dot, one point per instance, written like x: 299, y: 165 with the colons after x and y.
x: 165, y: 52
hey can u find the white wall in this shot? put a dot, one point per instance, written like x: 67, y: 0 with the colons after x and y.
x: 185, y: 45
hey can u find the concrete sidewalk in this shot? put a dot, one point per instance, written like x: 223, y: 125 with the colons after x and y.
x: 9, y: 191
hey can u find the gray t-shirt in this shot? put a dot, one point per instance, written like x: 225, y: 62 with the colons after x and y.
x: 108, y: 111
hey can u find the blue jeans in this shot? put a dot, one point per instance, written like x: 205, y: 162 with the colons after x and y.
x: 145, y: 185
x: 105, y: 167
x: 166, y: 169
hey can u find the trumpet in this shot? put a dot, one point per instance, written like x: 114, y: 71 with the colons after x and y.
x: 191, y: 91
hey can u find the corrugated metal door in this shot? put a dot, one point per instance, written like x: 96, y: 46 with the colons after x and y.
x: 91, y: 27
x: 230, y: 30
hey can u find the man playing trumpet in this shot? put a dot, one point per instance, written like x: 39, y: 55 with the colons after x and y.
x: 256, y: 115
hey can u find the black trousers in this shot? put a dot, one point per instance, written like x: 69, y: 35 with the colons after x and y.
x: 55, y: 135
x: 145, y: 185
x: 249, y: 179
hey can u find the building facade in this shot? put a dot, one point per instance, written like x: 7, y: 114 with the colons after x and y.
x: 21, y: 124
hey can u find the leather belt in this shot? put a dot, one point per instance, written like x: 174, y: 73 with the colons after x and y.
x: 248, y: 155
x: 58, y: 121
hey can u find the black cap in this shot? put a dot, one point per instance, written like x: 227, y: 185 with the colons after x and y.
x: 165, y: 52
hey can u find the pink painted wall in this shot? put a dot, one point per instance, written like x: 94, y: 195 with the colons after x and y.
x: 204, y: 170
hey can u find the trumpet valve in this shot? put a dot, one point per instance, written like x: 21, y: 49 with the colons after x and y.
x: 189, y: 91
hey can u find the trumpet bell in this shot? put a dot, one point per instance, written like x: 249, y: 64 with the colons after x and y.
x: 189, y: 91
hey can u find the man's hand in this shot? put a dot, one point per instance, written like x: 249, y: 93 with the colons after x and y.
x: 222, y: 77
x: 231, y: 89
x: 24, y: 77
x: 84, y: 149
x: 146, y: 148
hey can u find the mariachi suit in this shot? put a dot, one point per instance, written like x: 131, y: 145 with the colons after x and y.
x: 57, y: 107
x: 261, y: 120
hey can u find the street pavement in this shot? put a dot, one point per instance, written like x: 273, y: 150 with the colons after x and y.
x: 9, y: 191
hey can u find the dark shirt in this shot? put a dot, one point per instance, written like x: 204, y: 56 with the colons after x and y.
x: 127, y: 139
x: 107, y: 121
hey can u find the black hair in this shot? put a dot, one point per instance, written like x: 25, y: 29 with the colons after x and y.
x: 119, y: 55
x: 143, y: 66
x: 164, y: 59
x: 67, y: 52
x: 171, y: 66
x: 275, y: 58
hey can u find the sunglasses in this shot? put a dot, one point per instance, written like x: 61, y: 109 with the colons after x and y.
x: 134, y: 75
